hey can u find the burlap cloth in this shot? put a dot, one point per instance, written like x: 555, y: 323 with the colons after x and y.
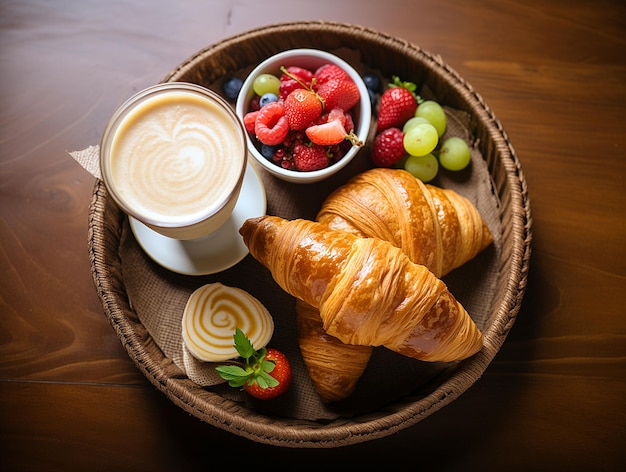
x: 158, y: 296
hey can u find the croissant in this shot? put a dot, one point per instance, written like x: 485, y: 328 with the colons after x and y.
x: 368, y: 292
x: 435, y: 227
x: 334, y: 367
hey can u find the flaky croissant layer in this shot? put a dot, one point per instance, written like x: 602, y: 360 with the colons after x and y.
x: 368, y: 292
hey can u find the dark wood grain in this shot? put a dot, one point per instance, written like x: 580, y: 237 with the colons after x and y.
x: 553, y: 73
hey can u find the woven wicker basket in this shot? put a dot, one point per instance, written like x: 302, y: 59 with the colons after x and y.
x: 391, y: 56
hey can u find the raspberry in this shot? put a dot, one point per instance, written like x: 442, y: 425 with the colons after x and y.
x: 271, y: 125
x: 248, y: 121
x: 388, y: 147
x: 309, y: 158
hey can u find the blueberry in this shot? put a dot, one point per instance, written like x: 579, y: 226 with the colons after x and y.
x: 268, y: 151
x: 267, y: 98
x: 232, y: 87
x: 372, y: 97
x: 372, y: 82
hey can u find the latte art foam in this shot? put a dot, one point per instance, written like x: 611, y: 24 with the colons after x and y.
x: 176, y: 158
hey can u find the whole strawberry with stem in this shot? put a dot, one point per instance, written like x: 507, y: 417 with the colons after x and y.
x: 397, y: 104
x: 265, y: 374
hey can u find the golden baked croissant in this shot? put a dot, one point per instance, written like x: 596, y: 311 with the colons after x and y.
x: 334, y: 367
x: 435, y: 227
x: 367, y: 291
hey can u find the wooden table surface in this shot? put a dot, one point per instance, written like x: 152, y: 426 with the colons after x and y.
x: 554, y: 74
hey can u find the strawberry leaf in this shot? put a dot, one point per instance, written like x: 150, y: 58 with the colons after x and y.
x: 235, y: 375
x: 410, y: 86
x: 396, y: 82
x: 243, y: 345
x: 265, y: 380
x: 268, y: 366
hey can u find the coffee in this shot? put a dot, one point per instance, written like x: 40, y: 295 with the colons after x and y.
x: 174, y: 159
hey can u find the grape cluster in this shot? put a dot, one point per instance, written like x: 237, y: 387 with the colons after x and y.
x: 422, y: 135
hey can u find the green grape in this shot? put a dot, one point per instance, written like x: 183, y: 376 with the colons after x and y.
x: 424, y: 168
x: 454, y: 154
x: 421, y: 139
x: 412, y: 122
x: 266, y: 83
x: 433, y: 112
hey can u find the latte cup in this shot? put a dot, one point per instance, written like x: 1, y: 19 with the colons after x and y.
x: 173, y: 157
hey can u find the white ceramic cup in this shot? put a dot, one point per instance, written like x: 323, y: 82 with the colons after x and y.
x: 173, y: 157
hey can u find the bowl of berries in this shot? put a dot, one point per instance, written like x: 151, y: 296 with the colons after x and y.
x: 307, y: 114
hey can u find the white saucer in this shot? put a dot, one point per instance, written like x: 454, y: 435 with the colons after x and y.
x: 213, y: 253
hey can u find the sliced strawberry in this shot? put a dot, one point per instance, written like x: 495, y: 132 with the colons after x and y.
x: 302, y: 107
x: 327, y: 134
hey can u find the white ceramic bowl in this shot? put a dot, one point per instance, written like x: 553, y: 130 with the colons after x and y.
x: 310, y: 59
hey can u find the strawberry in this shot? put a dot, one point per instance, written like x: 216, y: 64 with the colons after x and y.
x: 309, y: 158
x: 271, y: 125
x: 397, y: 104
x: 388, y: 147
x: 266, y: 373
x: 328, y: 72
x: 302, y: 107
x: 294, y: 72
x: 281, y: 373
x: 339, y: 93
